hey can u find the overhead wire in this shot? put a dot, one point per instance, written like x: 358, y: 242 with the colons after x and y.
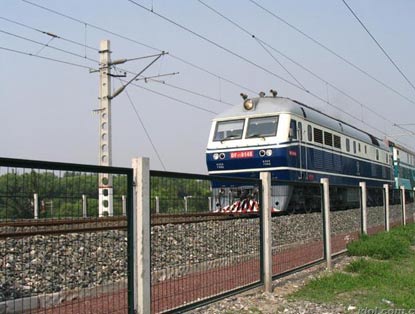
x: 379, y: 45
x: 184, y: 61
x: 333, y: 52
x: 264, y: 44
x: 93, y: 60
x: 46, y: 58
x: 140, y: 120
x: 251, y: 62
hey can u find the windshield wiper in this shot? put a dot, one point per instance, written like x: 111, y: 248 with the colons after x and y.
x: 256, y: 135
x: 229, y: 137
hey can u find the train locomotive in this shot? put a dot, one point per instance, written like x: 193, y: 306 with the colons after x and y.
x: 298, y: 145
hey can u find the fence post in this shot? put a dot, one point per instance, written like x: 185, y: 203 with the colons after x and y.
x: 266, y: 230
x: 124, y: 205
x: 157, y: 205
x: 84, y: 212
x: 386, y: 205
x: 141, y: 221
x: 210, y: 203
x: 363, y: 206
x: 403, y: 205
x: 326, y: 221
x: 35, y: 206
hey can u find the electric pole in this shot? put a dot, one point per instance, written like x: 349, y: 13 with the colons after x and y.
x: 105, y: 199
x: 105, y: 188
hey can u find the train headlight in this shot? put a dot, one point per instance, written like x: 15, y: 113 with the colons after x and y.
x: 248, y: 104
x: 262, y: 153
x: 215, y: 156
x: 268, y: 152
x: 222, y: 156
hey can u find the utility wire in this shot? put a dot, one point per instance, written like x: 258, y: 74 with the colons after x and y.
x: 83, y: 57
x: 143, y: 126
x: 253, y: 36
x: 44, y: 46
x: 217, y: 45
x: 264, y: 44
x: 333, y: 52
x: 49, y: 34
x: 379, y: 45
x: 184, y: 61
x: 46, y: 58
x: 251, y: 62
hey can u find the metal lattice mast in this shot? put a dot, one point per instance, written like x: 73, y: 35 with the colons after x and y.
x: 105, y: 142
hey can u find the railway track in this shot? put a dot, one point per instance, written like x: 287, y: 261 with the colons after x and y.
x: 31, y: 227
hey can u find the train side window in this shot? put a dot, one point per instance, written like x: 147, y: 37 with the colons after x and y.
x: 310, y: 133
x: 300, y: 131
x: 347, y: 145
x: 365, y: 149
x: 359, y: 148
x: 293, y: 130
x: 337, y: 141
x: 354, y: 147
x: 318, y: 136
x: 328, y: 138
x: 377, y: 154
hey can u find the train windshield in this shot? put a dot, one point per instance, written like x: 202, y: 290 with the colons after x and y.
x: 229, y: 130
x: 262, y: 127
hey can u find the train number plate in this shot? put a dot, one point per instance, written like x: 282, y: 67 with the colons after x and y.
x: 243, y: 154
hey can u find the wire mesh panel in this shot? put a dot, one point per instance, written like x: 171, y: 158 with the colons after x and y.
x: 375, y: 211
x: 410, y: 206
x: 56, y: 254
x: 345, y: 216
x: 297, y: 226
x: 395, y: 208
x: 206, y: 245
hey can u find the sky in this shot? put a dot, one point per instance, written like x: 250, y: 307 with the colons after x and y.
x: 47, y: 106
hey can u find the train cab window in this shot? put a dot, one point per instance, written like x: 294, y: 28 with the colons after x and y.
x: 337, y: 141
x: 318, y: 136
x: 300, y: 131
x: 354, y: 147
x: 347, y: 145
x: 293, y: 130
x: 309, y: 133
x: 262, y: 127
x: 328, y: 138
x: 229, y: 130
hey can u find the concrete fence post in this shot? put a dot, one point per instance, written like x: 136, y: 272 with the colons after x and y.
x: 157, y: 205
x: 210, y: 204
x: 326, y: 221
x: 363, y: 206
x: 84, y: 210
x: 124, y: 205
x: 35, y: 206
x: 386, y: 206
x: 266, y: 230
x: 403, y: 205
x: 141, y: 221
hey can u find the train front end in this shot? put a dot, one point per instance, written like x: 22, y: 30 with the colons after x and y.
x: 244, y: 141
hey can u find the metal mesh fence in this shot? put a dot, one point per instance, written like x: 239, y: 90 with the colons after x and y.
x: 410, y: 207
x: 197, y: 254
x: 297, y: 231
x: 345, y: 217
x: 375, y: 211
x: 56, y: 254
x: 395, y: 208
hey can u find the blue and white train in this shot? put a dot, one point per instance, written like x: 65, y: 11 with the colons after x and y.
x: 297, y: 144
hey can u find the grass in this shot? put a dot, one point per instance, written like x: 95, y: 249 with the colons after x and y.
x: 383, y: 276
